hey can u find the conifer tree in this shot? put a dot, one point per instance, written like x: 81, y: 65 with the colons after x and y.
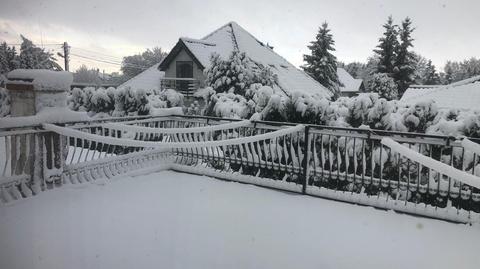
x: 404, y: 61
x: 321, y: 64
x: 431, y: 75
x: 387, y: 47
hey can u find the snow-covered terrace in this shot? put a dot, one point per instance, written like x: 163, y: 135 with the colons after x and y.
x: 176, y: 220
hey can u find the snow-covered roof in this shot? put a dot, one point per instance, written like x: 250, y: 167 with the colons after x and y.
x: 147, y: 80
x: 232, y: 37
x: 464, y: 94
x: 350, y: 84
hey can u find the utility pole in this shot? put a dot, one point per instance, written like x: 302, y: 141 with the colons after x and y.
x: 66, y: 51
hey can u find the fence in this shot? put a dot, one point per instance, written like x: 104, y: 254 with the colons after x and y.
x: 338, y: 163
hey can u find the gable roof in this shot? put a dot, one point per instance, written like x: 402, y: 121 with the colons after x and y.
x: 232, y: 37
x: 147, y: 80
x: 350, y: 84
x: 464, y: 94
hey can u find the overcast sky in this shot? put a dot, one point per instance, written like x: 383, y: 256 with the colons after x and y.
x: 107, y: 30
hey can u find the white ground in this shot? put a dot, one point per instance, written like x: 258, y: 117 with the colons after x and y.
x: 173, y: 220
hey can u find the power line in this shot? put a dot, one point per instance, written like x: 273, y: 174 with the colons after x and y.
x: 110, y: 62
x: 99, y: 53
x: 19, y: 44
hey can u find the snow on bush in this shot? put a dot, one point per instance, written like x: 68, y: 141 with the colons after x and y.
x: 164, y: 99
x: 384, y: 85
x: 123, y: 101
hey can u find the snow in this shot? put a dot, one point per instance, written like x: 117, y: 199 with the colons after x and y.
x: 147, y: 80
x: 471, y: 146
x: 69, y: 132
x: 350, y: 84
x: 232, y: 37
x: 152, y: 130
x: 175, y: 220
x: 463, y: 94
x: 431, y: 163
x: 44, y: 80
x: 46, y: 115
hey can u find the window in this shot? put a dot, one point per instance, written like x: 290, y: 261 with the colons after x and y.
x: 184, y: 69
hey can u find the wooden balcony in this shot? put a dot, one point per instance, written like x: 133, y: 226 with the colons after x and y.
x: 186, y: 86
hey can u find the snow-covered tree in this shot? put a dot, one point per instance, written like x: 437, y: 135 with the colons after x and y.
x: 33, y: 57
x: 8, y: 58
x: 236, y: 74
x: 455, y: 71
x: 404, y: 64
x: 431, y: 75
x: 85, y: 75
x: 135, y: 64
x: 387, y: 48
x: 356, y: 69
x: 321, y: 64
x: 231, y: 75
x: 383, y: 85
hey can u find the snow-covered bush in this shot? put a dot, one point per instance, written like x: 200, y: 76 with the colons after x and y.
x: 163, y: 99
x: 384, y: 85
x: 101, y: 101
x: 4, y: 102
x: 379, y: 115
x: 230, y: 105
x: 123, y: 101
x: 129, y: 102
x: 77, y: 99
x: 360, y: 107
x: 420, y: 116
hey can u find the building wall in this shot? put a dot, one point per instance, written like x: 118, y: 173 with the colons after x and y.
x: 170, y: 71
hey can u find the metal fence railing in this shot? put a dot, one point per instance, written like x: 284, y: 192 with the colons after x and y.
x: 338, y: 163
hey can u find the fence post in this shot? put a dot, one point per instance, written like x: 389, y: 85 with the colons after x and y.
x: 306, y: 158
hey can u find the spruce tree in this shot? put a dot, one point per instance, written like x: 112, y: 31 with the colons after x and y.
x: 404, y: 66
x: 431, y: 75
x: 322, y: 64
x: 387, y: 48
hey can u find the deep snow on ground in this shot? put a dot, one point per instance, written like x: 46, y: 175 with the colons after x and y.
x: 174, y: 220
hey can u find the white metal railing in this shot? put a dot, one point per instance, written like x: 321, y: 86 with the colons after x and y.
x: 345, y: 164
x: 186, y: 86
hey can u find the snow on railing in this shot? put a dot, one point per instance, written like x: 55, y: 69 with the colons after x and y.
x: 433, y: 164
x: 338, y: 163
x: 471, y: 146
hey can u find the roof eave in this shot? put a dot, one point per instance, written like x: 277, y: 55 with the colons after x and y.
x: 174, y: 52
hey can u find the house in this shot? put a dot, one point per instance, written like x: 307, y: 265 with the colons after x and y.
x: 464, y: 94
x: 351, y: 86
x: 185, y: 64
x: 149, y: 79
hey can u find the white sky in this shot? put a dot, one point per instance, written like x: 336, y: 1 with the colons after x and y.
x: 445, y: 29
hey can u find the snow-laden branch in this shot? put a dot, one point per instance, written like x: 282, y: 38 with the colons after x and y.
x: 440, y: 167
x: 471, y: 146
x: 152, y: 130
x: 169, y: 145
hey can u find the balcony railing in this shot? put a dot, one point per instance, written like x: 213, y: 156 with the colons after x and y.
x: 186, y: 86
